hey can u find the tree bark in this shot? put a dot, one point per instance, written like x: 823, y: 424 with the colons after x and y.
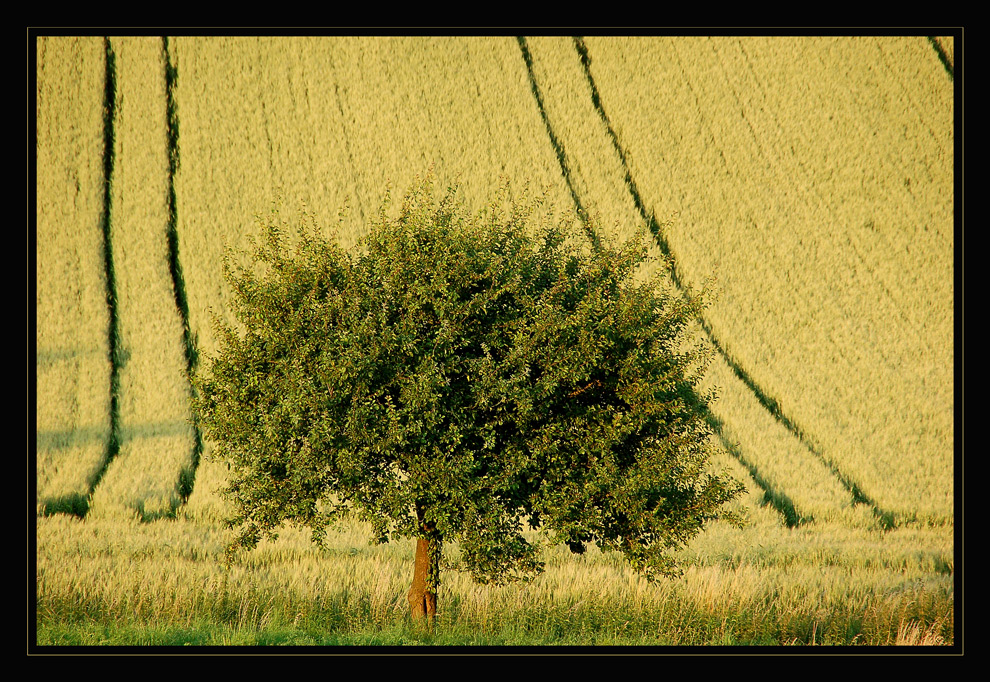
x: 426, y: 576
x: 426, y: 579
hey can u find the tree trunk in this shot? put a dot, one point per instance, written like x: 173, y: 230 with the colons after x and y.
x: 426, y: 579
x: 426, y: 576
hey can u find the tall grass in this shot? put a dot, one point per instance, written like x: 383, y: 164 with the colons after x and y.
x: 830, y: 586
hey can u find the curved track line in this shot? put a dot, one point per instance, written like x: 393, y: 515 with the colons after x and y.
x: 768, y: 402
x: 78, y: 504
x: 942, y: 57
x: 188, y: 474
x: 775, y: 498
x: 116, y: 350
x: 554, y: 141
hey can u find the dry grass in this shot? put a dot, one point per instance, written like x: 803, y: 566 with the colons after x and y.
x: 917, y: 634
x: 762, y: 585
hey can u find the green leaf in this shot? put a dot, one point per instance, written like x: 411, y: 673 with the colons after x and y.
x: 456, y: 374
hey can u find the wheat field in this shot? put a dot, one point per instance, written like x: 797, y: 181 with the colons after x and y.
x: 808, y: 181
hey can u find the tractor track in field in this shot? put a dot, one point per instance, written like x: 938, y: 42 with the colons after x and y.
x: 188, y: 474
x: 555, y: 142
x: 116, y: 351
x: 943, y: 58
x: 777, y: 499
x: 768, y: 402
x: 78, y: 504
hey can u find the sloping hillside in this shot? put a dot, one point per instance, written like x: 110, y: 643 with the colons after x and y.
x: 812, y: 176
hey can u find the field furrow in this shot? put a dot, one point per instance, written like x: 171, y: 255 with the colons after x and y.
x: 782, y: 157
x: 777, y: 461
x: 322, y: 122
x: 595, y: 168
x: 73, y: 363
x: 156, y: 437
x: 813, y: 177
x: 944, y: 47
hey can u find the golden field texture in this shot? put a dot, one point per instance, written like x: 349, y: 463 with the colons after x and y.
x: 156, y: 432
x: 325, y: 122
x: 599, y: 170
x: 73, y: 363
x: 815, y: 178
x: 782, y: 587
x: 808, y: 183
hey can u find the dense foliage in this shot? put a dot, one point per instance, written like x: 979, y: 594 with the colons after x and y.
x: 458, y: 376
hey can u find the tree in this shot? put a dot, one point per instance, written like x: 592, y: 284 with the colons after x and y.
x: 456, y: 377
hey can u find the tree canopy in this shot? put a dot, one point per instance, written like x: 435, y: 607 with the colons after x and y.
x: 458, y: 377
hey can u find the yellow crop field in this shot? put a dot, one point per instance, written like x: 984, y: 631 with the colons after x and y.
x: 808, y: 183
x: 304, y: 119
x: 814, y: 176
x: 156, y: 432
x: 73, y: 363
x: 598, y: 172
